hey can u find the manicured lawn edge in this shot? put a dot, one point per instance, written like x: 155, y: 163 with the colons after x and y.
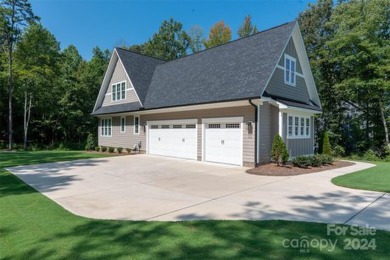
x: 373, y: 179
x: 34, y: 227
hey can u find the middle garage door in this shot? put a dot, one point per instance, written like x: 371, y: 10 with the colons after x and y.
x: 175, y: 139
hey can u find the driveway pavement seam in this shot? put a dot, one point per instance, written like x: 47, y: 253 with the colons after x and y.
x: 363, y: 209
x: 216, y: 198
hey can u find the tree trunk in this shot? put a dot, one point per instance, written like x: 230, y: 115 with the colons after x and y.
x: 10, y: 130
x: 383, y: 118
x: 26, y: 117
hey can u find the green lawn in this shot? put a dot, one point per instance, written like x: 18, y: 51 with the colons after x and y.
x: 34, y: 227
x: 375, y: 179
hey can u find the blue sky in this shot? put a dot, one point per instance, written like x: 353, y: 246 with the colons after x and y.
x: 103, y: 23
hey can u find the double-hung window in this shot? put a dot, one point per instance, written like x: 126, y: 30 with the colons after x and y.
x: 289, y: 70
x: 298, y: 126
x: 118, y: 91
x: 106, y: 127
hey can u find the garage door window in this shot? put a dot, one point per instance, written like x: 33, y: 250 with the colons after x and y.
x: 214, y: 125
x: 190, y: 126
x: 232, y: 125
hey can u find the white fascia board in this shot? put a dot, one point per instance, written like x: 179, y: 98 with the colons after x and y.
x: 305, y: 64
x: 107, y: 77
x: 131, y: 83
x: 277, y: 62
x: 198, y: 107
x: 223, y: 120
x: 173, y: 122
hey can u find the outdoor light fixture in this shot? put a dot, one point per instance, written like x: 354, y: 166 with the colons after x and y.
x: 145, y: 127
x: 250, y: 127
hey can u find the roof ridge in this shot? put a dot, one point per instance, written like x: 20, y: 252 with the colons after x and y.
x: 235, y: 40
x: 214, y: 47
x: 141, y: 54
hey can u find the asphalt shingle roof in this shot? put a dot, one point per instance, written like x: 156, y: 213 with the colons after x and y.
x: 236, y: 70
x: 140, y: 69
x: 134, y: 106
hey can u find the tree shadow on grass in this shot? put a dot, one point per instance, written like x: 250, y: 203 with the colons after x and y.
x: 45, y: 177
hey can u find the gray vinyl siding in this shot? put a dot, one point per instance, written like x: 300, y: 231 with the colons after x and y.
x: 291, y: 51
x: 118, y: 139
x: 302, y: 146
x: 277, y: 87
x: 269, y: 127
x: 119, y: 75
x: 129, y: 139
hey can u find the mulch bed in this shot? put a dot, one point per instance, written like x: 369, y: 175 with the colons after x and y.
x: 272, y: 169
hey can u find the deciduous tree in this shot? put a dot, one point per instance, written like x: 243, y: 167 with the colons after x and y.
x: 219, y: 34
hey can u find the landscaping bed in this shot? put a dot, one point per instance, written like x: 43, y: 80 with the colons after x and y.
x: 272, y: 169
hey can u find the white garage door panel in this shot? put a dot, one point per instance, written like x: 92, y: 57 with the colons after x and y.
x: 175, y: 142
x: 223, y: 144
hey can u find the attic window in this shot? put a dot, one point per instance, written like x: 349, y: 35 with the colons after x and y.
x: 119, y: 91
x: 289, y: 70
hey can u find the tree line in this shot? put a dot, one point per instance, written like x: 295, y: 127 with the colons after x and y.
x: 50, y: 92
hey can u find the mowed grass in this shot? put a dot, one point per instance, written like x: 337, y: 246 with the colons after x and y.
x: 375, y: 179
x: 34, y: 227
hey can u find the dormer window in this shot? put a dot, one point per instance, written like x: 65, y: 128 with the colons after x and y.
x: 289, y: 70
x: 119, y: 91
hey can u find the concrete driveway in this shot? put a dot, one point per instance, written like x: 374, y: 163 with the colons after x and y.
x: 145, y: 187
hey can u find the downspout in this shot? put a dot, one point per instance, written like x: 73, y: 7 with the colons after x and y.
x: 256, y: 130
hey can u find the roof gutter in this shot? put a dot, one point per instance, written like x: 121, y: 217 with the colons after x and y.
x: 256, y: 128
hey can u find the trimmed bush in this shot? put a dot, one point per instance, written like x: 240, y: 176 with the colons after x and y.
x: 119, y: 149
x: 97, y: 148
x: 315, y: 161
x: 104, y: 149
x: 326, y: 148
x: 91, y: 142
x: 338, y: 151
x: 325, y: 159
x: 301, y: 161
x: 111, y: 149
x: 128, y: 150
x: 279, y: 152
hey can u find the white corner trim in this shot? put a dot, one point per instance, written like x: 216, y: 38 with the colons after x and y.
x: 280, y: 123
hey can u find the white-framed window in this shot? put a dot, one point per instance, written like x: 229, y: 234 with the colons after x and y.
x: 106, y: 127
x: 289, y: 70
x: 123, y: 124
x: 298, y: 126
x: 136, y: 124
x: 118, y: 91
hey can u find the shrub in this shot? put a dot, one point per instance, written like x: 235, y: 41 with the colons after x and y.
x: 325, y: 159
x: 370, y: 155
x: 97, y: 148
x: 111, y: 149
x: 128, y: 150
x: 301, y: 161
x: 119, y: 149
x: 91, y: 142
x: 315, y: 161
x: 326, y: 149
x: 279, y: 152
x: 338, y: 151
x: 104, y: 149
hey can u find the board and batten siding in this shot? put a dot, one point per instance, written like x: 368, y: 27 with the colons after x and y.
x: 291, y: 51
x: 269, y: 127
x: 119, y: 75
x: 276, y: 87
x: 299, y: 146
x: 128, y: 139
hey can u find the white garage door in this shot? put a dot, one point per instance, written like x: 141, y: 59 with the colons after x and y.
x: 223, y: 142
x: 175, y: 139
